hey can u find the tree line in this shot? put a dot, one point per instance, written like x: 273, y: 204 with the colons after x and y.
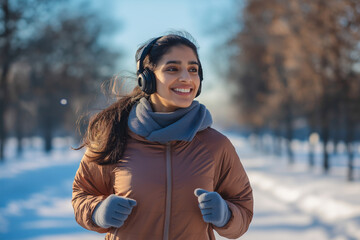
x: 296, y: 68
x: 52, y: 62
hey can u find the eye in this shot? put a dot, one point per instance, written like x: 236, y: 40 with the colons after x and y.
x: 171, y: 69
x: 193, y: 69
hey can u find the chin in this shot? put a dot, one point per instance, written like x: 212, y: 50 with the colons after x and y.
x: 184, y: 104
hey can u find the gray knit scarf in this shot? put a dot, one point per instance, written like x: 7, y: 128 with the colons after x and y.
x: 161, y: 127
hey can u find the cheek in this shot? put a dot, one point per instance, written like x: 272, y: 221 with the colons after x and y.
x: 197, y: 82
x: 161, y: 87
x: 161, y: 82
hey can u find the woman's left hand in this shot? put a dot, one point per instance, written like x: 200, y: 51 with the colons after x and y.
x: 213, y: 207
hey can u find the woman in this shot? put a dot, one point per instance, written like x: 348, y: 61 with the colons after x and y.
x: 154, y: 168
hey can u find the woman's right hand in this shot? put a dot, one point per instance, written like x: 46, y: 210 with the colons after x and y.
x: 113, y: 211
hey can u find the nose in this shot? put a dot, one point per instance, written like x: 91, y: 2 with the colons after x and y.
x: 185, y: 76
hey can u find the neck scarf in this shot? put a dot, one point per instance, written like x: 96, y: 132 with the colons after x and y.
x: 163, y: 127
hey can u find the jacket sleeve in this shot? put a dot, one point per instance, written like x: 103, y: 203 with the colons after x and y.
x: 92, y: 184
x: 234, y: 186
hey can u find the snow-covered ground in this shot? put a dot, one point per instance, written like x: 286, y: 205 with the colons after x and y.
x: 291, y: 201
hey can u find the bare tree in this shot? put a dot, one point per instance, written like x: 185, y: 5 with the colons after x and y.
x: 15, y: 17
x: 50, y: 76
x: 68, y: 65
x: 296, y: 60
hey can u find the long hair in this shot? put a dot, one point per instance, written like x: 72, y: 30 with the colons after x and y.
x: 107, y: 132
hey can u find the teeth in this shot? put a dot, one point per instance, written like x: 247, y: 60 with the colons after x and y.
x: 182, y: 90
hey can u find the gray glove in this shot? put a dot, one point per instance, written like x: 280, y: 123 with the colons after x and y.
x: 113, y: 211
x: 213, y: 207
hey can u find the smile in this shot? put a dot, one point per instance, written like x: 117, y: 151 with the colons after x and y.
x: 182, y: 90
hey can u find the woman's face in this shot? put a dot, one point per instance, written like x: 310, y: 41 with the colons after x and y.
x: 177, y: 80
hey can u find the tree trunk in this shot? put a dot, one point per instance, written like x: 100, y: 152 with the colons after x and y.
x: 48, y: 139
x: 325, y: 138
x: 48, y: 130
x: 349, y: 138
x: 311, y: 155
x: 289, y: 132
x: 2, y: 119
x: 4, y: 99
x: 350, y: 151
x: 336, y: 127
x: 19, y: 130
x: 313, y: 121
x: 3, y: 80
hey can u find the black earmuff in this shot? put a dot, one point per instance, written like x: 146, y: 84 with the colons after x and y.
x: 146, y: 78
x: 147, y: 81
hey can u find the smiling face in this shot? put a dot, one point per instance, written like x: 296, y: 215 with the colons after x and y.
x: 177, y: 80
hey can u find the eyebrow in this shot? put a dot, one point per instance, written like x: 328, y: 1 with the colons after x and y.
x: 179, y: 62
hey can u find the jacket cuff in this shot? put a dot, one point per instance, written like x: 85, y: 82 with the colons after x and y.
x: 234, y: 228
x: 91, y: 225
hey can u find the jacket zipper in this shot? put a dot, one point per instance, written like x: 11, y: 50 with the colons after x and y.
x: 168, y: 191
x: 168, y: 194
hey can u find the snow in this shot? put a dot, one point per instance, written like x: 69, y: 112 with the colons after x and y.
x: 291, y: 201
x: 34, y: 158
x: 295, y: 202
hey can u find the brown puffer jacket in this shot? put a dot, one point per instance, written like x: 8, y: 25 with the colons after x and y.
x: 162, y: 179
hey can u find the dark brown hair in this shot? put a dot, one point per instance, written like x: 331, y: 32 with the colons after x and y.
x: 107, y: 132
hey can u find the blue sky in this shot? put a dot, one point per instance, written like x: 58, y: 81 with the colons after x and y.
x: 141, y: 20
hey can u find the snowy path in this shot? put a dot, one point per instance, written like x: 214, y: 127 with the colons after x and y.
x: 283, y: 213
x: 290, y: 202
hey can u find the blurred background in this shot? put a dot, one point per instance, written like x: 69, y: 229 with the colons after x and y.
x: 281, y: 79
